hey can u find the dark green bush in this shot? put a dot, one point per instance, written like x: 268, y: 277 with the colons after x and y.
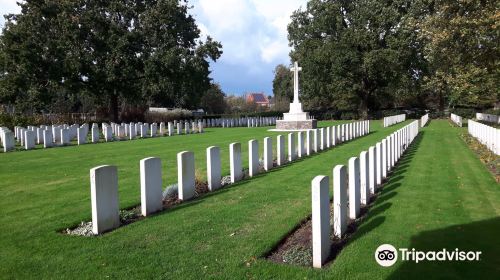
x: 491, y: 112
x: 467, y: 113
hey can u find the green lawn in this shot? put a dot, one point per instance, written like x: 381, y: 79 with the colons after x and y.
x: 440, y: 196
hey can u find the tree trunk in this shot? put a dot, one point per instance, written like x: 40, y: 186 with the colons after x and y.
x: 441, y: 101
x: 113, y: 107
x: 363, y: 107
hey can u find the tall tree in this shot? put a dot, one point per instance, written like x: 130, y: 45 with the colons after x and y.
x: 213, y: 100
x: 462, y: 47
x: 282, y: 82
x: 124, y: 50
x: 355, y: 54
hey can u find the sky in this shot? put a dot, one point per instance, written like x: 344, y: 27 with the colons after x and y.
x: 253, y: 36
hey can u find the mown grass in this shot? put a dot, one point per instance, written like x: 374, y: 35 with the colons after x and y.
x: 439, y: 195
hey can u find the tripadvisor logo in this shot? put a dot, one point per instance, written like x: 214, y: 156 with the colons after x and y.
x: 387, y: 255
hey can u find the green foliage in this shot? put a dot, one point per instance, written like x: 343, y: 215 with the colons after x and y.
x: 467, y: 113
x: 298, y: 256
x: 492, y: 112
x: 116, y: 51
x: 9, y: 120
x: 213, y: 100
x: 283, y: 82
x: 462, y: 49
x: 366, y: 55
x: 356, y: 54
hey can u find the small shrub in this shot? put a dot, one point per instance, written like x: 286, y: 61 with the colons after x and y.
x: 171, y: 190
x: 298, y: 256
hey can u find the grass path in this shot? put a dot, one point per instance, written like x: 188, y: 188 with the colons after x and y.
x: 223, y: 235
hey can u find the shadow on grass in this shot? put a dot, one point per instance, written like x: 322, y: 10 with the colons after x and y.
x: 477, y: 236
x: 381, y: 201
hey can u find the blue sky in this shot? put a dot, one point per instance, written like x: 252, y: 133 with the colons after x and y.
x: 252, y: 32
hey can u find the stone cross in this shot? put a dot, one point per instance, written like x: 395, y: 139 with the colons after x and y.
x: 296, y: 69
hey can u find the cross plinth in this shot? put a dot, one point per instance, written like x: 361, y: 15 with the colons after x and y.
x: 296, y: 119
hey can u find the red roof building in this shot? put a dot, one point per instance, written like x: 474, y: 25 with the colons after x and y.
x: 258, y: 98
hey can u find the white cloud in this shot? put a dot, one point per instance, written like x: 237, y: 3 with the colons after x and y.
x: 8, y: 7
x: 253, y: 32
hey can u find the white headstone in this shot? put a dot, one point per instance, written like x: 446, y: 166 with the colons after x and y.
x: 322, y: 144
x: 64, y: 136
x: 339, y: 201
x: 378, y: 159
x: 334, y: 135
x: 47, y: 139
x: 39, y: 135
x: 320, y: 220
x: 185, y: 175
x: 29, y: 139
x: 328, y: 137
x: 292, y: 149
x: 8, y: 141
x: 280, y: 150
x: 82, y: 136
x: 235, y: 162
x: 108, y: 135
x: 162, y: 128
x: 56, y: 134
x: 151, y: 186
x: 213, y: 168
x: 364, y: 177
x: 354, y: 188
x: 393, y: 150
x: 301, y: 148
x: 309, y: 142
x: 373, y: 169
x: 268, y: 153
x: 170, y: 127
x: 384, y: 158
x: 95, y: 133
x: 104, y: 197
x: 317, y: 140
x: 253, y: 158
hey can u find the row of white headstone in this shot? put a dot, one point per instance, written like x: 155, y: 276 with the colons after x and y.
x: 424, y: 119
x: 62, y: 135
x: 456, y: 119
x: 240, y: 122
x: 488, y: 118
x: 352, y: 188
x: 388, y: 121
x: 487, y: 135
x: 130, y: 131
x: 53, y: 135
x: 7, y: 139
x: 104, y: 180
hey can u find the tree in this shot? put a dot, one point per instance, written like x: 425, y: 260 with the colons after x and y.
x: 462, y: 48
x: 213, y: 101
x: 282, y: 82
x: 116, y: 50
x: 355, y: 54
